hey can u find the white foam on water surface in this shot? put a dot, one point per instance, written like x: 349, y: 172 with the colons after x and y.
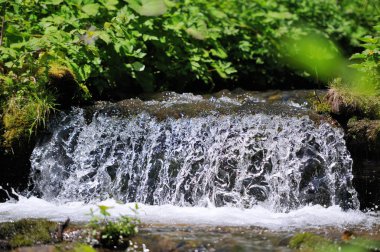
x: 315, y: 216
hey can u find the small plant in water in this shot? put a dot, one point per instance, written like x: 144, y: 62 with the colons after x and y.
x: 111, y: 232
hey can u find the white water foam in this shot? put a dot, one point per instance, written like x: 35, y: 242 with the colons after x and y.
x: 315, y: 216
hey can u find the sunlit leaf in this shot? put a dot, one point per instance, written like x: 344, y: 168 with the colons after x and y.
x: 148, y: 7
x: 91, y: 9
x: 196, y: 33
x: 138, y: 66
x: 219, y: 52
x: 55, y: 2
x: 358, y: 56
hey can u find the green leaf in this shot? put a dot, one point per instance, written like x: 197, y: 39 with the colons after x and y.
x: 105, y: 37
x: 196, y: 34
x: 91, y: 9
x: 358, y: 56
x: 55, y: 2
x: 219, y: 52
x: 148, y: 7
x: 138, y: 66
x: 103, y: 210
x: 369, y: 40
x: 110, y: 4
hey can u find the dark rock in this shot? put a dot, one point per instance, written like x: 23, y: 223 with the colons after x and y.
x: 363, y: 141
x: 14, y: 171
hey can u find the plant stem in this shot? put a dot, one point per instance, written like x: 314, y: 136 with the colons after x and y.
x: 2, y: 26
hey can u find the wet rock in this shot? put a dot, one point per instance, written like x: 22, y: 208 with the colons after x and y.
x: 363, y: 141
x: 363, y: 138
x: 310, y: 242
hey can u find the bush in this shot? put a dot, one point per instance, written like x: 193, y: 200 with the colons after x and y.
x: 112, y: 234
x: 108, y: 49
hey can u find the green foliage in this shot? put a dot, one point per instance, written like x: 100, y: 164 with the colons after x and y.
x: 27, y: 232
x: 23, y: 115
x: 113, y: 233
x: 368, y: 62
x: 316, y: 55
x: 103, y: 47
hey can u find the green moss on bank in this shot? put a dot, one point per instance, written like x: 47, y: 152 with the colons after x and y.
x: 23, y: 116
x: 344, y: 102
x: 310, y: 242
x: 27, y: 232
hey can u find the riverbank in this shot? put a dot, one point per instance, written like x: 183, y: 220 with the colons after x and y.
x: 169, y: 237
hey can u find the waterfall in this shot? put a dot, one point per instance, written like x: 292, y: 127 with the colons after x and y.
x: 238, y: 157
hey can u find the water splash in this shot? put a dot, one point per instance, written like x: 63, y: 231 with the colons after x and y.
x: 306, y: 217
x: 236, y: 160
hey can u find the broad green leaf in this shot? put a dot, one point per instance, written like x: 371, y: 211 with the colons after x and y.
x: 147, y: 37
x: 110, y: 4
x: 279, y: 15
x: 369, y: 40
x: 55, y: 2
x: 138, y: 66
x: 358, y: 56
x: 86, y: 71
x: 219, y: 52
x: 104, y: 210
x: 196, y: 34
x: 105, y: 37
x: 91, y: 9
x: 148, y: 7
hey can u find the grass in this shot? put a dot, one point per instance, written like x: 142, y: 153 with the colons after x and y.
x: 343, y: 101
x: 23, y: 116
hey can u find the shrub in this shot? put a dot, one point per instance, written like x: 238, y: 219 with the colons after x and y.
x: 112, y: 233
x: 64, y: 52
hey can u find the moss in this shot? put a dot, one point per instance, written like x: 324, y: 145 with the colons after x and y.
x: 343, y: 101
x: 322, y: 107
x: 368, y: 130
x: 23, y: 116
x: 64, y: 86
x: 59, y: 72
x: 73, y: 247
x: 27, y: 232
x: 310, y: 242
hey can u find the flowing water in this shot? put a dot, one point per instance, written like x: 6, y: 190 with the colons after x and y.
x: 221, y: 161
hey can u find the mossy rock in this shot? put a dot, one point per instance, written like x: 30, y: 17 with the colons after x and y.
x: 27, y: 232
x: 311, y: 242
x: 322, y: 107
x: 363, y: 138
x: 344, y: 102
x: 22, y: 117
x: 63, y: 84
x: 73, y: 247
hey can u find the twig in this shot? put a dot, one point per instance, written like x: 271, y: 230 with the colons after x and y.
x: 61, y: 229
x: 317, y: 96
x: 315, y: 91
